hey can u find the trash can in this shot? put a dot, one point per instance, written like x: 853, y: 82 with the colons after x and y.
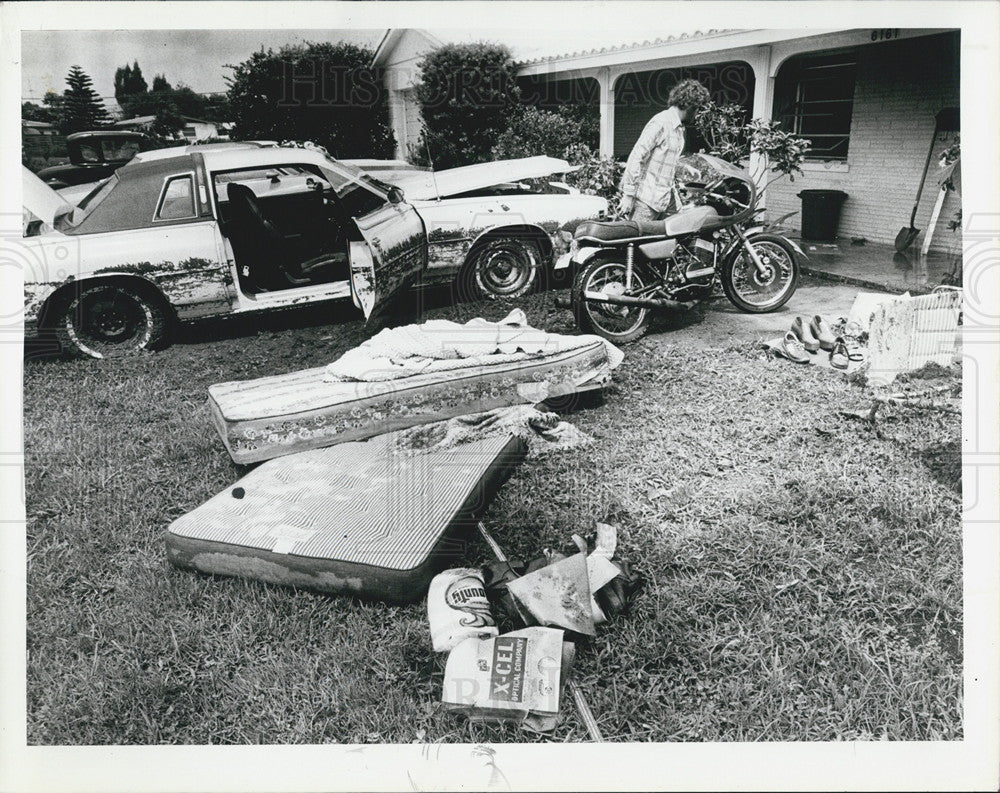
x: 821, y: 213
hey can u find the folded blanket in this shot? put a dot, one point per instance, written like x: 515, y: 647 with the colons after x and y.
x: 441, y: 345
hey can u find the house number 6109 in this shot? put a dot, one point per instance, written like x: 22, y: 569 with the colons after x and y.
x: 885, y: 34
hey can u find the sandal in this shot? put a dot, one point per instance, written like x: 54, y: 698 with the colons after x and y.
x: 855, y: 350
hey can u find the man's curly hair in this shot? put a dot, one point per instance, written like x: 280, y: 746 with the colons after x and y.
x: 688, y: 93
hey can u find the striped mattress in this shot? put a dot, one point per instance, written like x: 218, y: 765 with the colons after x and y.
x: 355, y: 518
x: 282, y: 414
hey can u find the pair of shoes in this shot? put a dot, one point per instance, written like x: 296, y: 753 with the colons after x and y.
x: 814, y: 336
x: 793, y: 349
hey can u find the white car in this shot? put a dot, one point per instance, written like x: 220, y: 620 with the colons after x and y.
x: 198, y: 231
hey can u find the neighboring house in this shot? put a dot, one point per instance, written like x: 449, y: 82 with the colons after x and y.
x: 41, y: 144
x: 866, y: 98
x: 398, y: 55
x: 195, y: 129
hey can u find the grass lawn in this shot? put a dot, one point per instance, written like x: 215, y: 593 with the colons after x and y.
x: 803, y: 573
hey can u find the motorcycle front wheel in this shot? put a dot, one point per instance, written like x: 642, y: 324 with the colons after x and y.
x: 614, y: 322
x: 755, y: 292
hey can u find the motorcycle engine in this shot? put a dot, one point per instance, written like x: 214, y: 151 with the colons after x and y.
x: 691, y: 257
x: 683, y: 260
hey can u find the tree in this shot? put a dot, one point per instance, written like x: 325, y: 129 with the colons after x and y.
x: 160, y: 83
x: 216, y: 108
x: 128, y: 82
x: 325, y: 93
x: 161, y: 104
x: 467, y: 94
x: 727, y: 134
x: 32, y: 112
x: 82, y: 107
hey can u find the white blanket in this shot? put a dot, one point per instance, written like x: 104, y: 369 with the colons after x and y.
x: 441, y: 345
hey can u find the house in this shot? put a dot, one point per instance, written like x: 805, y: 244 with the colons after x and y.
x: 195, y: 129
x: 41, y: 143
x: 868, y: 100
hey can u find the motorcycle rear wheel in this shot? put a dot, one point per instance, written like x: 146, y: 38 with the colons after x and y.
x: 752, y: 292
x: 615, y: 323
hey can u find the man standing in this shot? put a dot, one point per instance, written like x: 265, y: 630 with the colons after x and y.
x: 647, y: 183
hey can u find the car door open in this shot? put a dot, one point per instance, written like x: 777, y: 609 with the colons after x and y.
x: 391, y: 257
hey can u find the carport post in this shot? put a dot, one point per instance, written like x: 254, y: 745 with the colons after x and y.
x: 607, y: 83
x: 763, y: 103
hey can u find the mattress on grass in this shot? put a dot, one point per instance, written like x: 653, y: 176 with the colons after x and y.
x: 356, y: 518
x: 271, y: 416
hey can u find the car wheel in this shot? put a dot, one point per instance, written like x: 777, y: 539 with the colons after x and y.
x: 503, y: 267
x: 111, y: 321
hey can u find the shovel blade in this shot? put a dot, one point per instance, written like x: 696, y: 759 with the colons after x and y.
x: 905, y: 238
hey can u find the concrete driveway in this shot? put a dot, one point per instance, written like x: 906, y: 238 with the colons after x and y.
x: 718, y: 323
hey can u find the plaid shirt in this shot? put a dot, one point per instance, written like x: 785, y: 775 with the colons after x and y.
x: 649, y: 173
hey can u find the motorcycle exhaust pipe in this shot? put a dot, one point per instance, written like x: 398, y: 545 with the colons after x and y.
x: 628, y: 300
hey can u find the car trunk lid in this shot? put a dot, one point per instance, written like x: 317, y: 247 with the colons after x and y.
x: 45, y: 203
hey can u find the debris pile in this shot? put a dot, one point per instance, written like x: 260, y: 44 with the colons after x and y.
x: 548, y: 606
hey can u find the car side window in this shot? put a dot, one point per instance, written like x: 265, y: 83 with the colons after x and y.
x: 89, y: 153
x: 177, y: 199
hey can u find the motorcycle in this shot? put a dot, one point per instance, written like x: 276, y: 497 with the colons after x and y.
x: 628, y: 268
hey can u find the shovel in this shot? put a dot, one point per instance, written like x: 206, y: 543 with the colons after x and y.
x: 906, y: 236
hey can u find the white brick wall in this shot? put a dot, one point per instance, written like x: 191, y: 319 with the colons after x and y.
x: 900, y: 86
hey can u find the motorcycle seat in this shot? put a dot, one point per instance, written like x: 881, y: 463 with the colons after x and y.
x: 615, y: 231
x: 687, y: 221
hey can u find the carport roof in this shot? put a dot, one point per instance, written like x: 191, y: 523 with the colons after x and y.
x: 631, y: 46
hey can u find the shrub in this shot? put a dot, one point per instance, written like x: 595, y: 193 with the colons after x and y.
x: 467, y: 93
x: 595, y: 175
x: 533, y: 132
x: 327, y: 93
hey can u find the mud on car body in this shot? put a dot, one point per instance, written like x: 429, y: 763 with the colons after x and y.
x: 201, y: 231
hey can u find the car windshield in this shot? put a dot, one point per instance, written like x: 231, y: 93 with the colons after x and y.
x: 346, y: 177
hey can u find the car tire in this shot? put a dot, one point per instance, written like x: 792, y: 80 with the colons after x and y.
x: 503, y: 267
x: 112, y: 321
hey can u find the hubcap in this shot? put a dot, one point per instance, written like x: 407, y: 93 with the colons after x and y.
x: 109, y: 321
x: 506, y: 269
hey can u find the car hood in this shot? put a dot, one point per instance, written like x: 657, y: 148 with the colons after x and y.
x: 43, y: 202
x: 453, y: 181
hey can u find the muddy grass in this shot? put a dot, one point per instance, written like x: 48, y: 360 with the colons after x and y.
x: 803, y: 571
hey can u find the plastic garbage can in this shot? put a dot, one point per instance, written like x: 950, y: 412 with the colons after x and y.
x: 821, y: 213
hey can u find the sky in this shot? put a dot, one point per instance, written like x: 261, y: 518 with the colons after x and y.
x: 198, y: 58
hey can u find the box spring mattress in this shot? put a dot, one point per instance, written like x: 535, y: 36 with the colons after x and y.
x: 282, y: 414
x: 355, y: 518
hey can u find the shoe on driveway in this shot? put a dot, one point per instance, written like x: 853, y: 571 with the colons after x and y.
x: 793, y: 349
x: 805, y: 335
x: 821, y: 330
